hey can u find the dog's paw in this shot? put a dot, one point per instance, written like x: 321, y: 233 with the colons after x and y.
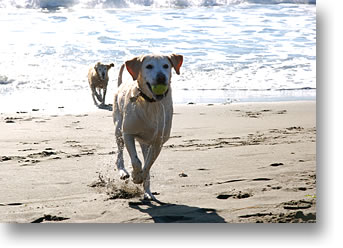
x: 123, y: 174
x: 137, y: 177
x: 149, y: 196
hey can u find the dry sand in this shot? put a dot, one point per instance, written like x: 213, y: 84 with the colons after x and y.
x: 243, y: 162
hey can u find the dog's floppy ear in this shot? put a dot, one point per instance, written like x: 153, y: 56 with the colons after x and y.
x: 109, y: 66
x: 97, y: 65
x: 176, y: 60
x: 134, y: 66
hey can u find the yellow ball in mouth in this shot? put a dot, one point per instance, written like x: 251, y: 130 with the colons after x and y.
x: 159, y: 89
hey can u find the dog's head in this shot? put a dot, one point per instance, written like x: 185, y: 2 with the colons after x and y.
x: 102, y: 70
x: 153, y: 70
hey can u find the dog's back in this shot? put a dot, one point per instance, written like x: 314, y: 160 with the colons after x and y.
x: 120, y: 75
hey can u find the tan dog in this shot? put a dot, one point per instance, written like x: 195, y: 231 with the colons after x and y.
x: 98, y: 79
x: 139, y: 114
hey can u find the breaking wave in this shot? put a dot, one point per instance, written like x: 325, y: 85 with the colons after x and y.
x: 37, y: 4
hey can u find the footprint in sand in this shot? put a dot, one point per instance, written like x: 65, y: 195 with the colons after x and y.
x: 11, y: 204
x: 255, y: 215
x: 25, y: 150
x: 234, y: 195
x: 49, y: 217
x: 276, y: 164
x: 71, y: 141
x: 261, y: 179
x: 281, y: 112
x: 12, y: 119
x: 183, y: 175
x: 295, y: 205
x: 42, y: 154
x: 5, y: 158
x: 8, y: 158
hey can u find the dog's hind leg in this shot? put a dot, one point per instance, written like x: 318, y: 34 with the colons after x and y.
x: 136, y: 163
x: 120, y: 159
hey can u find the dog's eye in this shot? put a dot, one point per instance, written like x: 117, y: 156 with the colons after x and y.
x: 149, y: 67
x: 165, y: 66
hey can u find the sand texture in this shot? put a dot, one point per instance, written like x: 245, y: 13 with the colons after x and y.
x: 235, y: 163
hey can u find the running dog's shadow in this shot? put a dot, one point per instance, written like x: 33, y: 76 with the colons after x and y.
x: 172, y: 213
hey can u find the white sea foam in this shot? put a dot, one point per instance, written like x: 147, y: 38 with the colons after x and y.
x: 132, y: 3
x: 231, y: 52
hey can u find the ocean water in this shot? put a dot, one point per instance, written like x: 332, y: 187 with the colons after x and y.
x: 234, y: 50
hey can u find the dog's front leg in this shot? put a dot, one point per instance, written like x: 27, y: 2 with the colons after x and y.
x: 103, y: 96
x: 146, y: 185
x: 95, y: 102
x: 93, y: 96
x: 98, y: 95
x: 137, y: 176
x: 120, y: 159
x: 150, y: 155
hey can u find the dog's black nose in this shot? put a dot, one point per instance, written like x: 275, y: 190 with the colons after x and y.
x: 161, y: 78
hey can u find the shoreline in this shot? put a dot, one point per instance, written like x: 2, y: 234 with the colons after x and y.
x: 63, y: 109
x: 232, y: 163
x: 80, y: 101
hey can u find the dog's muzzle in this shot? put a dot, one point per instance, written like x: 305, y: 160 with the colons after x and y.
x: 161, y: 78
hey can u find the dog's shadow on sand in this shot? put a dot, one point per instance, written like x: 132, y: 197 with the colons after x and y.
x: 173, y: 213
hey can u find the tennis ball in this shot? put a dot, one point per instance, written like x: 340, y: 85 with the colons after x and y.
x: 159, y: 89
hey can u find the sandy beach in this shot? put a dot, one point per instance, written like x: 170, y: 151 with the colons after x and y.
x: 233, y: 163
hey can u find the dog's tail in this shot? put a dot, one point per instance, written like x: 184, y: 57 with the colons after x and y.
x: 120, y: 75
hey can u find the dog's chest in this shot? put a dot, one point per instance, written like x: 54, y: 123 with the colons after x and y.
x: 149, y: 126
x: 101, y: 83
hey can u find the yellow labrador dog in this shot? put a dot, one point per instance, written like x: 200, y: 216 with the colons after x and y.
x: 142, y: 113
x: 98, y: 79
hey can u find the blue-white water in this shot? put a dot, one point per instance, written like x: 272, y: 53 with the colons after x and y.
x: 234, y: 50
